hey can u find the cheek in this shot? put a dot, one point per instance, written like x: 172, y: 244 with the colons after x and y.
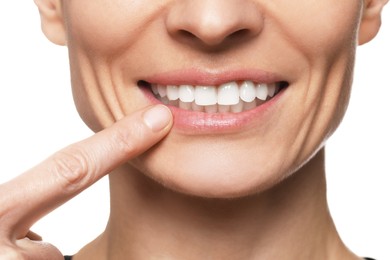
x: 98, y: 32
x: 319, y: 28
x: 325, y: 32
x: 106, y: 27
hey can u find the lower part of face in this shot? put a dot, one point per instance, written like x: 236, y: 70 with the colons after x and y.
x: 119, y: 50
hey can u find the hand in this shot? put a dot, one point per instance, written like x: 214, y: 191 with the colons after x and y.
x: 27, y: 198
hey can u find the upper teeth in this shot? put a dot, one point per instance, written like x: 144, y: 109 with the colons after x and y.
x: 242, y: 94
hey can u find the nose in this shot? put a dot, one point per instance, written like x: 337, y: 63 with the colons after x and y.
x: 214, y: 23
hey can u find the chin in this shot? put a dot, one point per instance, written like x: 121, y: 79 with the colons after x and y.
x: 210, y: 174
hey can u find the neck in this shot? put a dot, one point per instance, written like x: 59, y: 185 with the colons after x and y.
x: 289, y: 221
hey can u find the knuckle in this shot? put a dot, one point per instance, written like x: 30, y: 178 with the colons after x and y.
x: 127, y: 140
x: 10, y: 253
x: 73, y: 167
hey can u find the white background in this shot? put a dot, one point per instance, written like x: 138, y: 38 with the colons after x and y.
x: 37, y: 117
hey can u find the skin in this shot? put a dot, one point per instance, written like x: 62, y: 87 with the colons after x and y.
x: 191, y: 195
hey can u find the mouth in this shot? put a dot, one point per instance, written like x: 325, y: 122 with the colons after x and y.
x: 215, y: 102
x: 229, y: 97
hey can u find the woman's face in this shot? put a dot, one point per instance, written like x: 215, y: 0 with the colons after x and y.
x: 120, y: 50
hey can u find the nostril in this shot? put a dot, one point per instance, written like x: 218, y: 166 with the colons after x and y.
x: 204, y: 39
x: 239, y: 34
x: 214, y: 24
x: 186, y: 34
x: 214, y: 40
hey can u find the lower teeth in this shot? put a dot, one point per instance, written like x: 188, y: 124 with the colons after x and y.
x: 192, y: 106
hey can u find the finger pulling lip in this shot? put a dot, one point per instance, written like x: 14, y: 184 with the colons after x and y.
x: 199, y: 122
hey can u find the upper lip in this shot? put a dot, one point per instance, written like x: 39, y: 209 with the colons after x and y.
x: 211, y: 78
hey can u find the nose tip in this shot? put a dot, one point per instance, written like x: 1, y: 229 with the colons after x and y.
x: 214, y: 22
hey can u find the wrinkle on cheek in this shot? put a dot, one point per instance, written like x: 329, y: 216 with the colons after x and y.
x: 98, y: 32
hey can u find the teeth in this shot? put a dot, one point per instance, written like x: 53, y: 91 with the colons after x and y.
x: 247, y: 91
x: 174, y: 102
x: 165, y: 100
x: 228, y: 94
x: 271, y: 90
x: 261, y: 91
x: 185, y: 105
x: 187, y: 93
x: 173, y: 92
x: 249, y: 105
x: 196, y: 107
x: 162, y: 90
x: 237, y: 108
x: 205, y: 95
x: 155, y: 89
x: 211, y: 109
x: 228, y: 97
x: 223, y: 108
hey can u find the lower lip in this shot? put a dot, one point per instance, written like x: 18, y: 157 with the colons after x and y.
x: 193, y: 122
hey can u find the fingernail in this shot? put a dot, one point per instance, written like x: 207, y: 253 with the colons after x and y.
x: 157, y: 118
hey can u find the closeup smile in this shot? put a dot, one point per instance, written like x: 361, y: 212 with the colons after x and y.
x: 215, y: 102
x: 226, y: 92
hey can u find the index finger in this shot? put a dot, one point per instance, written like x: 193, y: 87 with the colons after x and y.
x: 28, y: 197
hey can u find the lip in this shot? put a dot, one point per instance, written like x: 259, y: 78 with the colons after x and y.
x: 207, y: 78
x: 192, y: 122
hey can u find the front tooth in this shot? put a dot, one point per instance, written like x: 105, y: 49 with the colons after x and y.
x: 223, y: 108
x: 185, y: 105
x: 196, y: 107
x: 172, y: 92
x: 228, y: 94
x: 237, y: 108
x: 211, y: 109
x: 186, y: 93
x: 162, y: 90
x: 271, y: 90
x: 205, y: 95
x: 247, y: 91
x: 261, y: 91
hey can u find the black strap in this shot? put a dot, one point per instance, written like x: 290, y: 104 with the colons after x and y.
x: 68, y: 257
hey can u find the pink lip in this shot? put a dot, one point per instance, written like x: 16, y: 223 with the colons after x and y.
x: 191, y: 122
x: 207, y: 78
